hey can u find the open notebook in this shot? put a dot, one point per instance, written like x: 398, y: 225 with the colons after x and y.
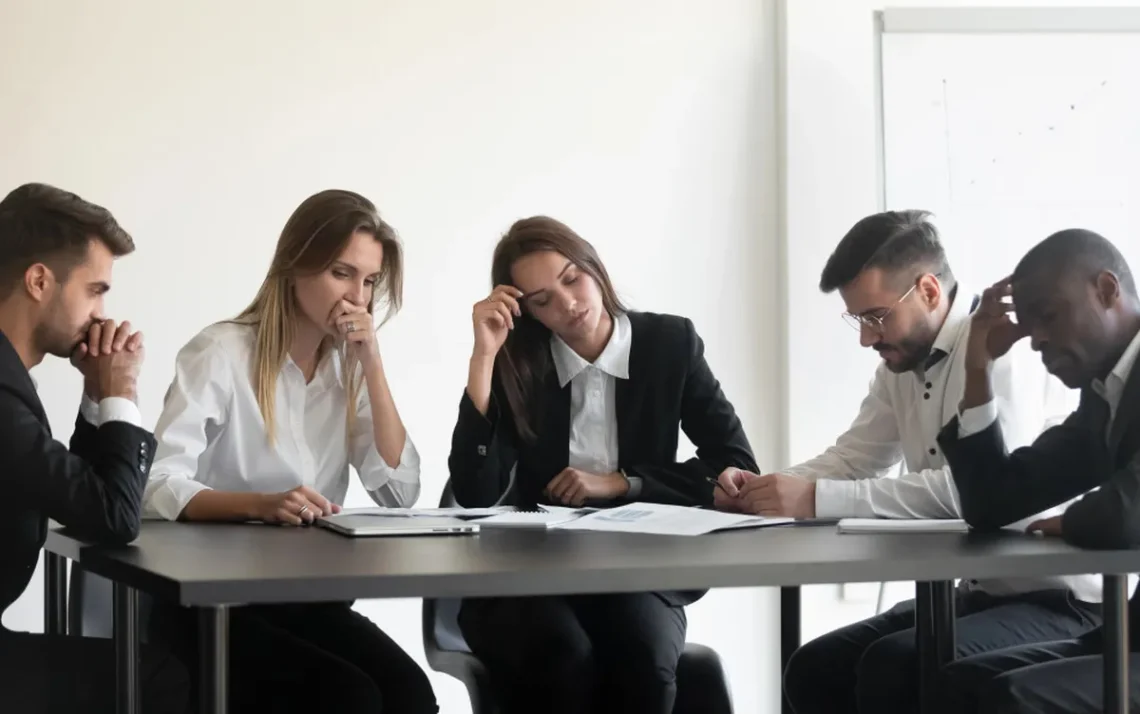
x: 891, y: 525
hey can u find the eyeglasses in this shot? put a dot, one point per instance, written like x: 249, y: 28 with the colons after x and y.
x: 875, y: 322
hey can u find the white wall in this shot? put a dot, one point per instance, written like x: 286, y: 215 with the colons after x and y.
x: 646, y: 125
x: 831, y: 182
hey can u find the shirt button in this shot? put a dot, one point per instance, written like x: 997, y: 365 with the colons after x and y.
x: 929, y: 385
x: 926, y: 396
x: 933, y: 451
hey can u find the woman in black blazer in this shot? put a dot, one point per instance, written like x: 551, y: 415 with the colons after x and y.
x: 583, y: 399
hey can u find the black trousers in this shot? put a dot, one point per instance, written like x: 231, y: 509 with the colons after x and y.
x: 580, y: 653
x: 310, y: 658
x: 50, y: 674
x: 872, y: 666
x: 1064, y: 677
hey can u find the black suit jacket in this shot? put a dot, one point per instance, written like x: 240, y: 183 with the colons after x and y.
x: 95, y: 488
x: 997, y: 487
x: 669, y: 384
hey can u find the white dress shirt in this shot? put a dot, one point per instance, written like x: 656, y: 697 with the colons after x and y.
x: 211, y: 433
x: 898, y: 424
x: 593, y: 400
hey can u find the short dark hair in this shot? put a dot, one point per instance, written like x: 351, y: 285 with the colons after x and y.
x: 1076, y: 252
x: 891, y: 241
x: 42, y: 223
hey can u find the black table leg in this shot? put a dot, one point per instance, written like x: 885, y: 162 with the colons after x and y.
x: 55, y: 594
x: 935, y: 642
x: 1116, y: 644
x: 945, y: 620
x: 924, y: 641
x: 214, y: 651
x: 126, y: 635
x: 789, y: 634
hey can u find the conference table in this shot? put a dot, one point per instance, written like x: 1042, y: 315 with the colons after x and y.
x: 215, y: 567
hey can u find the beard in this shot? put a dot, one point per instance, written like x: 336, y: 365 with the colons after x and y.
x: 909, y: 352
x: 54, y: 336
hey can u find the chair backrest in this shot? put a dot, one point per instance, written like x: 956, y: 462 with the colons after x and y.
x: 441, y: 617
x: 91, y: 606
x: 447, y: 498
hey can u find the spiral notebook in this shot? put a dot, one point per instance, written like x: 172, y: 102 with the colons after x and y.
x: 543, y: 517
x: 355, y: 525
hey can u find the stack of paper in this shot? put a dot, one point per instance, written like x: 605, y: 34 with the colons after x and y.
x: 887, y: 525
x: 661, y: 519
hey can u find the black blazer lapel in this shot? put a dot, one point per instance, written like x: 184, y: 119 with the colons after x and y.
x: 554, y: 433
x: 1126, y: 411
x: 629, y: 396
x: 15, y: 376
x: 627, y: 400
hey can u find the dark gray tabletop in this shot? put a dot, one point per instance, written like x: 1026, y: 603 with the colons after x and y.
x: 214, y: 564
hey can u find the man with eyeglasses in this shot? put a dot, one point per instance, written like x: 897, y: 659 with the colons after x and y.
x: 902, y: 298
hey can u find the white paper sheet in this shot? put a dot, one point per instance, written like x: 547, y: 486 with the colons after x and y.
x: 892, y: 525
x: 660, y: 519
x: 452, y: 512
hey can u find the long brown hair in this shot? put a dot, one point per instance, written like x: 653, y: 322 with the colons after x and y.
x: 525, y: 361
x: 312, y: 239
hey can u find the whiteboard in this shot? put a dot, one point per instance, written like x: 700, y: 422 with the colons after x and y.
x: 1010, y: 137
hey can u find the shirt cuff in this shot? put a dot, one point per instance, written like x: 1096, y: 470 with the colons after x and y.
x: 168, y: 495
x: 635, y: 484
x: 89, y: 410
x: 110, y: 409
x: 835, y: 498
x: 977, y: 419
x: 375, y: 472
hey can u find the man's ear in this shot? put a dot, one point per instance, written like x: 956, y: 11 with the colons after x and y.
x: 1107, y: 288
x: 38, y: 281
x: 930, y: 289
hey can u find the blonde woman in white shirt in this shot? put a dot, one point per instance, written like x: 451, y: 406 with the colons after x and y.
x: 904, y: 300
x: 265, y: 415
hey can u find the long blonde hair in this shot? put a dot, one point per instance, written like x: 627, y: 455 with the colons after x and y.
x: 313, y: 237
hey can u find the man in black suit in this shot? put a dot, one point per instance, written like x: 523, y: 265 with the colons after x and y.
x: 56, y: 252
x: 1077, y: 301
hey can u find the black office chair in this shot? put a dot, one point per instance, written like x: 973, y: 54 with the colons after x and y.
x: 702, y: 687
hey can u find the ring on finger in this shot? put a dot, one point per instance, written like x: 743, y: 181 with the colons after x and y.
x: 303, y: 509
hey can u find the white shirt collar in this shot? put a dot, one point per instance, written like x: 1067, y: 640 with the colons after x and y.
x: 614, y: 359
x: 1127, y: 362
x: 1118, y: 377
x: 956, y: 319
x: 329, y: 372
